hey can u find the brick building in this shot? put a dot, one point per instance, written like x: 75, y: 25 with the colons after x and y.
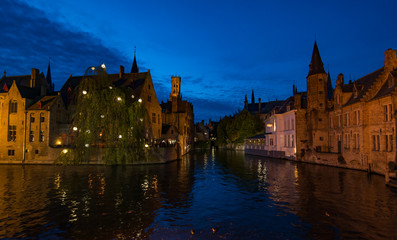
x: 352, y: 126
x: 30, y: 117
x: 179, y: 113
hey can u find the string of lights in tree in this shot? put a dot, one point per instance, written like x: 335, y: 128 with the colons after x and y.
x: 106, y: 124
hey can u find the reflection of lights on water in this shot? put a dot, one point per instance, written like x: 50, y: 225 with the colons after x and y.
x: 296, y: 172
x: 57, y: 181
x: 145, y: 185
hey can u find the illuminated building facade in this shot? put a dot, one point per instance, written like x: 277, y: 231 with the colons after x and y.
x: 31, y: 117
x: 355, y: 125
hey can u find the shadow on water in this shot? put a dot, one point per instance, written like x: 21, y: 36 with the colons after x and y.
x: 207, y: 195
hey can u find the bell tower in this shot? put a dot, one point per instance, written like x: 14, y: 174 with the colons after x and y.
x: 317, y: 103
x: 175, y: 86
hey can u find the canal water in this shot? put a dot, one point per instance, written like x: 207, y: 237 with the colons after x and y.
x: 207, y: 195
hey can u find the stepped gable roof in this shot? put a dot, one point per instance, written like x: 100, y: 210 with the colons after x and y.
x: 386, y: 89
x: 43, y: 103
x: 366, y: 82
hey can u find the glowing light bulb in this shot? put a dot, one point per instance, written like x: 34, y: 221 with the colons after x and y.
x: 103, y: 66
x: 119, y: 99
x: 140, y: 100
x: 74, y: 128
x: 64, y: 150
x: 87, y: 145
x: 141, y: 119
x: 132, y: 96
x: 92, y: 68
x: 84, y: 92
x: 110, y: 87
x: 146, y: 145
x: 102, y: 116
x: 88, y: 131
x: 120, y: 136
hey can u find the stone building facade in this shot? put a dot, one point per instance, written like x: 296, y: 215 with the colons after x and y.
x: 30, y: 118
x: 179, y: 113
x: 353, y: 127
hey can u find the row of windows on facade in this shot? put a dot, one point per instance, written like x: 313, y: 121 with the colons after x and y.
x: 12, y: 134
x: 289, y: 124
x: 11, y: 152
x: 353, y: 118
x: 348, y: 139
x: 289, y: 141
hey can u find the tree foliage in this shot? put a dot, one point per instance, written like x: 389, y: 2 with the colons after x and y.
x: 234, y: 129
x: 107, y: 123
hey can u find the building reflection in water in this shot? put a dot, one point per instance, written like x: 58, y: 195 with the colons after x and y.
x: 242, y: 197
x: 88, y: 202
x: 331, y: 202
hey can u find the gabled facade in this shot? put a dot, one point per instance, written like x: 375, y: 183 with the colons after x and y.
x: 140, y: 87
x: 26, y: 131
x: 353, y: 127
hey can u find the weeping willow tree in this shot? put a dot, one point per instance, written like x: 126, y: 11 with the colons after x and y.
x: 107, y: 124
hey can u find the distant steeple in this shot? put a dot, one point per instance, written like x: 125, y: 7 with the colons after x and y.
x: 330, y: 90
x: 49, y: 80
x: 134, y: 68
x: 246, y: 102
x: 252, y: 97
x: 316, y: 65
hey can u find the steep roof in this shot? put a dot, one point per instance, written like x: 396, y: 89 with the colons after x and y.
x: 316, y: 64
x: 43, y: 103
x: 134, y: 81
x: 386, y: 89
x: 365, y: 83
x: 266, y: 107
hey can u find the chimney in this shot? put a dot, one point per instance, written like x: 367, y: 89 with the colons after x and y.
x: 260, y: 105
x: 390, y: 60
x: 121, y: 71
x: 33, y: 77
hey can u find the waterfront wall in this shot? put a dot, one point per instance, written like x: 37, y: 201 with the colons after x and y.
x: 233, y: 146
x: 156, y: 156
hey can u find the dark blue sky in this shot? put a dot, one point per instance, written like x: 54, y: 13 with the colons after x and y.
x: 221, y: 49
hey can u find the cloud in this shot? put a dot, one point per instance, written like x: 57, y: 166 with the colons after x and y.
x: 28, y: 39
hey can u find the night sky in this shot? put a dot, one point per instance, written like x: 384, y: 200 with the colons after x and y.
x: 221, y: 49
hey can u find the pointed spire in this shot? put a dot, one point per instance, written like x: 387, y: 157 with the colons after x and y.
x: 49, y: 80
x: 316, y: 64
x: 134, y: 68
x: 252, y: 97
x: 246, y: 102
x: 330, y: 90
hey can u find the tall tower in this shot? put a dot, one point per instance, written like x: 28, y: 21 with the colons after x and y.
x: 317, y: 102
x: 134, y: 68
x: 316, y: 82
x: 175, y: 86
